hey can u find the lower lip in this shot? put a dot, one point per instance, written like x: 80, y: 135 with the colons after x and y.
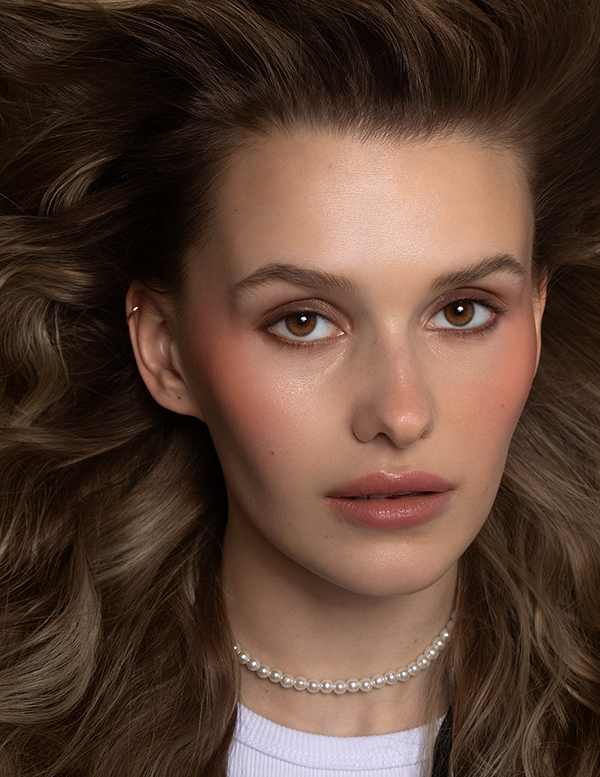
x: 403, y: 512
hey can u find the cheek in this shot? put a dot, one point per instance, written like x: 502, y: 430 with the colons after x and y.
x: 254, y: 412
x: 493, y: 392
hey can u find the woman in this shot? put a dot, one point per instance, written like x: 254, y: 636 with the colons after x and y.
x: 333, y: 229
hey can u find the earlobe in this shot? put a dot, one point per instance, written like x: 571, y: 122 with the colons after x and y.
x: 156, y: 351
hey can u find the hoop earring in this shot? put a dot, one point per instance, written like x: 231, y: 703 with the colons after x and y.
x: 133, y: 310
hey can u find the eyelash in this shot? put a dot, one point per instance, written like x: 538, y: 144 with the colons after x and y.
x: 493, y: 305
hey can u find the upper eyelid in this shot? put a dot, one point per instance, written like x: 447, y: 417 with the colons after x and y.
x: 318, y: 307
x: 481, y: 296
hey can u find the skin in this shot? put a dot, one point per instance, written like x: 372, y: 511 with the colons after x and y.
x: 384, y: 385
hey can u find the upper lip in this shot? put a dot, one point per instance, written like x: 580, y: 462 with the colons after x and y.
x: 389, y: 483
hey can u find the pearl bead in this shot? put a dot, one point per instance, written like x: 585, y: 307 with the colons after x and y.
x: 300, y: 683
x: 431, y: 653
x: 422, y: 661
x: 276, y: 675
x: 253, y: 664
x: 353, y: 685
x: 340, y: 687
x: 326, y: 686
x: 445, y: 634
x: 287, y: 681
x: 243, y: 657
x: 438, y: 644
x: 263, y: 671
x: 314, y: 686
x: 365, y: 684
x: 403, y: 675
x: 391, y: 678
x: 378, y: 681
x: 413, y: 669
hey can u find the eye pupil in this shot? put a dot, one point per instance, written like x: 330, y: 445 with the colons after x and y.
x: 459, y: 313
x: 301, y: 323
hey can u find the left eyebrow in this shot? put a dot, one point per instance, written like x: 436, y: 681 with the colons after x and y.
x: 297, y: 276
x: 500, y: 263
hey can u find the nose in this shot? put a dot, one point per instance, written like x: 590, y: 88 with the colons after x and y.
x: 393, y: 398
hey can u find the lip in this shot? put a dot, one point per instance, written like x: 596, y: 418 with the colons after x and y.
x: 421, y: 497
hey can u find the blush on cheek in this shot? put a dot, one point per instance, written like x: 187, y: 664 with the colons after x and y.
x: 517, y: 369
x: 503, y: 391
x: 242, y: 402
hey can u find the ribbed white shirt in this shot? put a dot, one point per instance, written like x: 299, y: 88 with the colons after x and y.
x: 262, y: 748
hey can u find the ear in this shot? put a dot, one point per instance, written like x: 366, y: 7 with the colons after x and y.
x: 151, y: 328
x: 540, y: 293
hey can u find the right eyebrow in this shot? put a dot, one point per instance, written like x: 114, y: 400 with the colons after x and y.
x: 464, y: 275
x: 297, y: 276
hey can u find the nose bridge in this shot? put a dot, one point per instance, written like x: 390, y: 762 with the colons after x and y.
x: 394, y: 396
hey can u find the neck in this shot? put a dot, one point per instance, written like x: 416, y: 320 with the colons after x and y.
x: 303, y: 624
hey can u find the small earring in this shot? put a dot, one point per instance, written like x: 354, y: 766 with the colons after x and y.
x: 133, y: 310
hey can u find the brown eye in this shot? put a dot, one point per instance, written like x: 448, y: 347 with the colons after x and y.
x: 305, y: 325
x: 459, y: 313
x: 301, y: 324
x: 463, y: 314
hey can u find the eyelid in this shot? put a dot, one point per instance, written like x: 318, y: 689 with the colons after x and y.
x: 318, y: 306
x: 467, y: 292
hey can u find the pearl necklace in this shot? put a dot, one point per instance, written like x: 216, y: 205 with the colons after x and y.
x: 352, y: 685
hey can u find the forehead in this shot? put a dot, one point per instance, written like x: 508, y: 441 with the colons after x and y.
x: 323, y: 199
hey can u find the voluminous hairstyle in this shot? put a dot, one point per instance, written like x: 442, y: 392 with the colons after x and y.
x: 115, y: 122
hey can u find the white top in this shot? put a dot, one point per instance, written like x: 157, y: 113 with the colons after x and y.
x: 262, y: 748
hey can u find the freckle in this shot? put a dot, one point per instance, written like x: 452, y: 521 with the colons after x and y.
x: 272, y: 453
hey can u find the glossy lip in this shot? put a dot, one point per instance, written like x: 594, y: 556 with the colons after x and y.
x: 421, y: 497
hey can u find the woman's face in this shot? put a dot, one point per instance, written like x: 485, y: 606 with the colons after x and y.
x: 361, y: 322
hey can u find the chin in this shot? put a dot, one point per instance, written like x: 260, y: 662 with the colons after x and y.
x: 385, y: 578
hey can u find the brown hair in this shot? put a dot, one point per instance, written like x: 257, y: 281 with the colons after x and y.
x: 115, y: 655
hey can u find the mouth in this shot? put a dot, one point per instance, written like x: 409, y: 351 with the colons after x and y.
x: 397, y: 495
x: 392, y: 485
x: 391, y: 500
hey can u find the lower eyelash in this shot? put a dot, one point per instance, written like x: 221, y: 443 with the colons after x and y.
x: 481, y: 331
